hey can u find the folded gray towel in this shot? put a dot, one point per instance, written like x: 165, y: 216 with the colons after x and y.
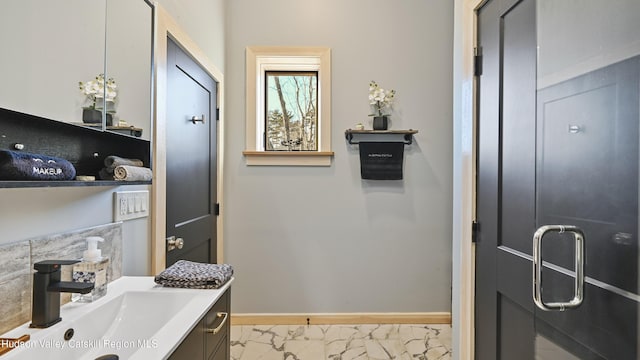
x: 193, y: 275
x: 15, y: 165
x: 132, y: 173
x: 112, y: 162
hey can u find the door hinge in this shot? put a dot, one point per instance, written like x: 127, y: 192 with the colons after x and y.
x: 477, y: 61
x: 474, y: 231
x: 217, y: 114
x: 216, y: 209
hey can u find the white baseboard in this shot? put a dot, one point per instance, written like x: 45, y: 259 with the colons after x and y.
x: 341, y: 318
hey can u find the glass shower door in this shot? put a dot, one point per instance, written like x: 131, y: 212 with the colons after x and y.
x: 585, y: 251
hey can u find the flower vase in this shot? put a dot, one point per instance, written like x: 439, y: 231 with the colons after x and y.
x: 380, y: 122
x: 100, y: 103
x: 93, y: 116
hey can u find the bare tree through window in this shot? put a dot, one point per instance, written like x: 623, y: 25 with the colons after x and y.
x: 291, y: 110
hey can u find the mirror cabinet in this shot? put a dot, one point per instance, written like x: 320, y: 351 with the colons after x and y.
x: 76, y: 81
x: 51, y: 47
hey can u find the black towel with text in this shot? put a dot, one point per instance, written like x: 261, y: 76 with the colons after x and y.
x: 381, y: 160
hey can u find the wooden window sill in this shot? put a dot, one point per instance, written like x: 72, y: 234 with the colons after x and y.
x: 288, y: 158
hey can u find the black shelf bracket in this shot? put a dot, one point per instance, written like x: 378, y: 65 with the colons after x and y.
x: 408, y: 134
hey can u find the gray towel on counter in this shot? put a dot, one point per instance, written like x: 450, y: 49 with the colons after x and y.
x: 193, y: 275
x: 17, y: 165
x: 112, y: 162
x: 132, y: 173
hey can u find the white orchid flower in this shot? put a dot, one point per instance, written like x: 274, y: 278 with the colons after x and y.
x: 98, y: 89
x: 380, y: 98
x: 111, y: 95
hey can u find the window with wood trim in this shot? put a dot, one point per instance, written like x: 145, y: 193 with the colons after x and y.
x: 288, y: 106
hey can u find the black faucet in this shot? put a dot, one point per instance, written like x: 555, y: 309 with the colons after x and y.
x: 45, y: 308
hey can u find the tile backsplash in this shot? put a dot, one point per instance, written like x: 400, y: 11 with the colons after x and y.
x: 17, y: 259
x: 15, y: 285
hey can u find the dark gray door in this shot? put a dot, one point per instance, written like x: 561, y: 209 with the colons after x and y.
x: 505, y: 180
x: 557, y: 151
x: 191, y: 158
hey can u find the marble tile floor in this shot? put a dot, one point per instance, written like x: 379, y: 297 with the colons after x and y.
x: 341, y: 342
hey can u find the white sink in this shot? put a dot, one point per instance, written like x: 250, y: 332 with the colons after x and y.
x: 135, y: 320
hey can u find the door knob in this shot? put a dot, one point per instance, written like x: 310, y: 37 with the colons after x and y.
x: 174, y: 243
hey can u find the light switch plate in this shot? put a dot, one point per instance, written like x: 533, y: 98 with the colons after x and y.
x: 129, y: 205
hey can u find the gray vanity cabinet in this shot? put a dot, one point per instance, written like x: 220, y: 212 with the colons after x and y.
x: 205, y: 343
x: 216, y: 345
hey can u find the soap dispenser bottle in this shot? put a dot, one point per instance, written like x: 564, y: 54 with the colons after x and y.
x: 91, y: 269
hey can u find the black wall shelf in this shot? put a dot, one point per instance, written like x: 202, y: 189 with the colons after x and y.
x: 84, y: 147
x: 350, y: 134
x: 69, y: 183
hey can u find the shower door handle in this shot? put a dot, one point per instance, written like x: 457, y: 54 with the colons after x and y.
x: 578, y: 290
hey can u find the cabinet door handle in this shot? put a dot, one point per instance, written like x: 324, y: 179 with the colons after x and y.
x: 223, y: 315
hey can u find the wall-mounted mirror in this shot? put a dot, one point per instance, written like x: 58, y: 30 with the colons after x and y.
x: 52, y: 46
x: 129, y: 44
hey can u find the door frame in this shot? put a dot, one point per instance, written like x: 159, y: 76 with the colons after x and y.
x: 166, y: 26
x: 464, y: 172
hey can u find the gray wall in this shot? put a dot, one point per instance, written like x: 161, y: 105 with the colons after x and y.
x: 203, y: 21
x: 33, y: 212
x: 308, y: 240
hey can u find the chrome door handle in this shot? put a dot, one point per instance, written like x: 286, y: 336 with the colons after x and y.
x: 195, y: 119
x: 578, y: 290
x: 174, y: 243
